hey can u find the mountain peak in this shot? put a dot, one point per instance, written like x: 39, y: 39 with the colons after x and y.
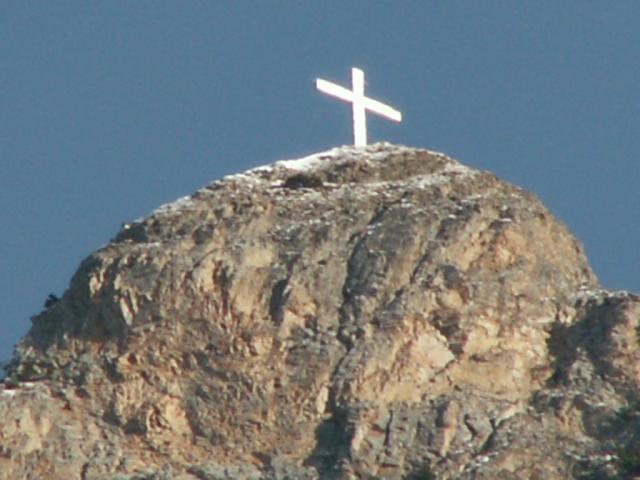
x: 365, y: 312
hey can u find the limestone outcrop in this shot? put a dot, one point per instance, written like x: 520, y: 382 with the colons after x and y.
x: 379, y: 312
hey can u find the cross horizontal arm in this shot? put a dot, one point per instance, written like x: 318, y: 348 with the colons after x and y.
x: 382, y: 109
x: 335, y: 90
x: 370, y: 104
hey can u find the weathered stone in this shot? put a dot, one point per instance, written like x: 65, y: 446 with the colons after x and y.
x: 378, y: 312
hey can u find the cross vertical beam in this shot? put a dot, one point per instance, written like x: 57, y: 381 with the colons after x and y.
x: 359, y: 104
x: 359, y: 113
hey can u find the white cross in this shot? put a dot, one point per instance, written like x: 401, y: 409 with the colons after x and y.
x: 360, y: 104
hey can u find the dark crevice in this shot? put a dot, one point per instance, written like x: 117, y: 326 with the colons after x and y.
x: 278, y: 300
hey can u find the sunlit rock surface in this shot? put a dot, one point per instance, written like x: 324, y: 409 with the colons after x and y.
x: 361, y: 313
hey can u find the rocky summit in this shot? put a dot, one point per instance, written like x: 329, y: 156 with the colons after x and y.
x: 364, y: 313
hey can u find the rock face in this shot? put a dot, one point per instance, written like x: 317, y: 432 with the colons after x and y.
x: 364, y: 313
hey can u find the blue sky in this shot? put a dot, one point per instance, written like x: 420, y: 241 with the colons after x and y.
x: 109, y: 109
